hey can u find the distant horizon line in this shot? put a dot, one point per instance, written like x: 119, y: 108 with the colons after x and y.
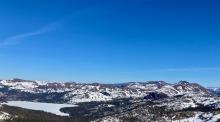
x: 100, y: 82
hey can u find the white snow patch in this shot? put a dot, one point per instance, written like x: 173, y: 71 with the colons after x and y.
x: 46, y: 107
x: 4, y: 115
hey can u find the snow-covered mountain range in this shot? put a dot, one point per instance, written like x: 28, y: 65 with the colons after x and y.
x: 79, y: 92
x: 141, y: 101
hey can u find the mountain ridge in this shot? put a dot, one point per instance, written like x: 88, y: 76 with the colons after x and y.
x: 79, y: 92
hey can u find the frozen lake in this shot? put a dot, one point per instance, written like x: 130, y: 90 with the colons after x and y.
x: 46, y: 107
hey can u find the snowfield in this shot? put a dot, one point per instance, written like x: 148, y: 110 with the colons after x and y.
x: 46, y: 107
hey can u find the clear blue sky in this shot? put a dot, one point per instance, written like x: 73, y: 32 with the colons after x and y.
x: 111, y: 40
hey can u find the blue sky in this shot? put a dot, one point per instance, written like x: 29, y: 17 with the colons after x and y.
x: 111, y: 41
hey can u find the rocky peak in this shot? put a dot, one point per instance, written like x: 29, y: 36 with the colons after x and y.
x: 183, y: 83
x: 157, y: 82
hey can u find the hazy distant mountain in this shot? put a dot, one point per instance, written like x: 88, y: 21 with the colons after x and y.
x: 215, y: 90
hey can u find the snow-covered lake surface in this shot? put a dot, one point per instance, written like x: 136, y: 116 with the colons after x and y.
x: 47, y: 107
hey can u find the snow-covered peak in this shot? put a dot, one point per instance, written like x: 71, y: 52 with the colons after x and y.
x: 18, y: 84
x: 41, y: 83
